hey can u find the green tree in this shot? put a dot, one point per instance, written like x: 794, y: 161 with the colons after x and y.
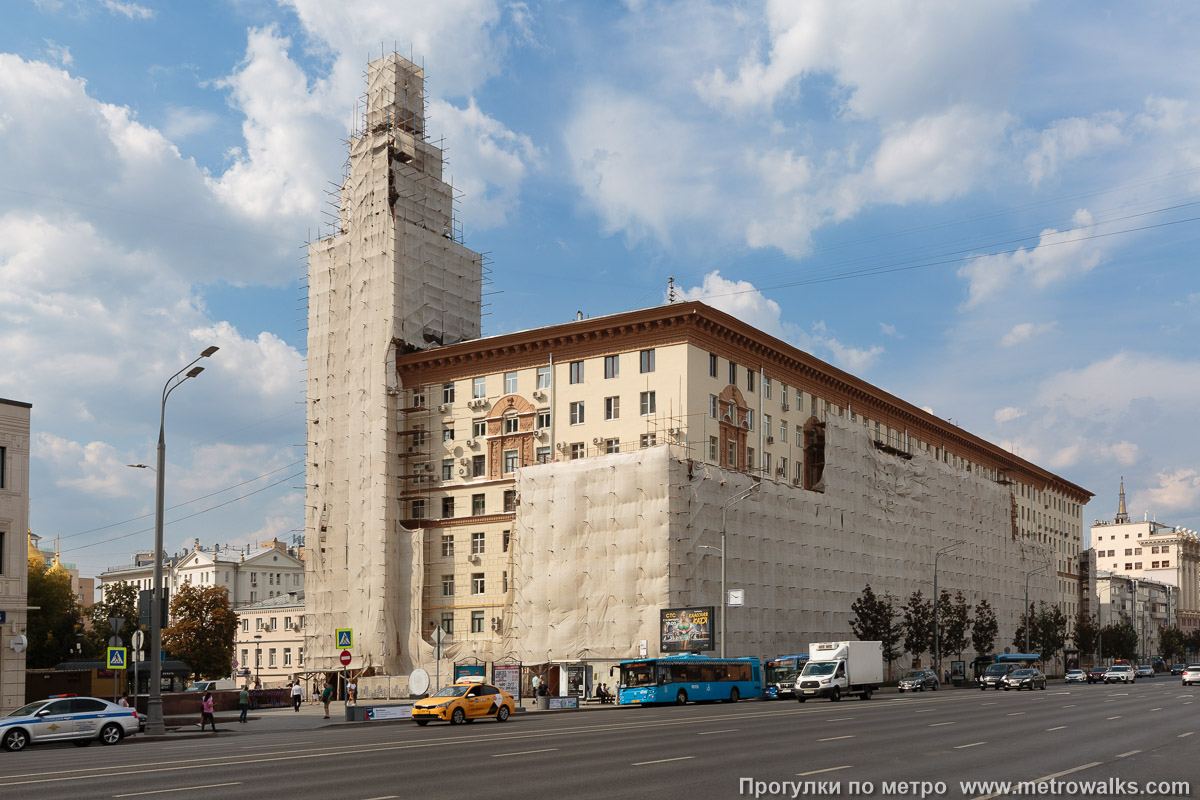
x: 875, y: 621
x: 984, y: 629
x: 1051, y: 630
x: 1119, y: 641
x: 1191, y: 642
x: 918, y: 625
x: 202, y: 630
x: 1087, y: 633
x: 1171, y: 643
x: 1035, y: 642
x: 52, y: 627
x: 954, y: 620
x: 120, y: 600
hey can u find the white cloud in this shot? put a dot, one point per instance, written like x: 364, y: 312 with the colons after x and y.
x: 59, y: 53
x: 1058, y: 255
x: 1124, y: 452
x: 129, y: 10
x: 182, y: 123
x: 889, y: 330
x: 1067, y: 139
x: 1025, y: 331
x: 1007, y: 414
x: 1174, y: 489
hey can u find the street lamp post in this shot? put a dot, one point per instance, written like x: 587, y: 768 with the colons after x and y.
x: 154, y: 716
x: 257, y: 659
x: 742, y: 495
x: 937, y: 643
x: 1029, y: 575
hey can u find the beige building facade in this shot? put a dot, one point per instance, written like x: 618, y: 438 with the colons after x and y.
x: 269, y: 646
x: 14, y: 524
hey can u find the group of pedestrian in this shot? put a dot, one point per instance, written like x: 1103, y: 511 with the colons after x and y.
x: 604, y: 693
x: 295, y: 690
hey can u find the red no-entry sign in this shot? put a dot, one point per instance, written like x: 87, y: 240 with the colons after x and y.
x: 345, y: 658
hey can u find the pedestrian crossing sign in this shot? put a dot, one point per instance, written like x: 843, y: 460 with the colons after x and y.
x: 345, y: 637
x: 116, y: 658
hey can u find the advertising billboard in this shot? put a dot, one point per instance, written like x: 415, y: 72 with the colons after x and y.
x: 685, y: 630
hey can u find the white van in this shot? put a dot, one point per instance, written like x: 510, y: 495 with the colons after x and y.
x: 212, y: 686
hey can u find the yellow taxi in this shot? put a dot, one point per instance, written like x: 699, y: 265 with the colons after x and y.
x: 466, y: 700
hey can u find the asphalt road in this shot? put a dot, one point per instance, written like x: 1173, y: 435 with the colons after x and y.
x: 1149, y: 731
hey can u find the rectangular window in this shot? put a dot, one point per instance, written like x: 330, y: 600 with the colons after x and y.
x: 783, y: 464
x: 447, y: 545
x: 767, y: 463
x: 1154, y: 565
x: 258, y: 656
x: 612, y: 408
x: 714, y: 406
x: 476, y: 583
x: 576, y: 372
x: 476, y: 622
x: 647, y: 403
x: 479, y: 387
x: 418, y: 509
x: 447, y: 586
x: 749, y: 379
x: 543, y: 455
x: 287, y: 656
x: 505, y: 578
x: 731, y: 455
x: 649, y: 439
x: 245, y: 659
x: 448, y: 621
x: 612, y: 446
x: 510, y: 462
x: 477, y: 543
x: 578, y: 450
x: 507, y: 537
x: 3, y: 463
x: 732, y: 373
x: 512, y: 424
x: 612, y: 367
x: 646, y: 361
x: 783, y: 396
x: 245, y: 627
x: 543, y: 377
x: 577, y: 412
x: 750, y: 418
x: 271, y: 655
x: 478, y: 506
x: 447, y: 392
x: 478, y: 466
x: 510, y: 500
x: 510, y: 383
x: 712, y: 449
x: 543, y: 420
x: 447, y: 470
x: 478, y: 429
x: 418, y: 398
x: 1166, y: 548
x: 749, y: 458
x: 767, y: 425
x: 783, y: 426
x: 766, y: 387
x: 447, y: 434
x: 1167, y: 563
x: 712, y: 365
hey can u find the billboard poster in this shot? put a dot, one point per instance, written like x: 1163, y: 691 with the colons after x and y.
x: 508, y: 678
x: 684, y: 630
x: 470, y: 670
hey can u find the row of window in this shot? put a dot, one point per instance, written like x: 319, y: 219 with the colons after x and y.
x: 272, y: 657
x: 647, y: 405
x: 419, y: 507
x: 1137, y: 551
x: 259, y: 625
x: 477, y: 621
x: 478, y: 543
x: 477, y: 584
x: 1138, y: 564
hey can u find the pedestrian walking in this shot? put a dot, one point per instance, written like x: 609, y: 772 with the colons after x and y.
x: 297, y: 695
x: 326, y: 697
x: 124, y: 702
x: 352, y: 693
x: 244, y: 701
x: 316, y: 694
x: 206, y: 712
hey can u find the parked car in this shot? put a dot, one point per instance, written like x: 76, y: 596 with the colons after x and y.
x: 994, y: 674
x: 1096, y: 674
x: 1191, y: 674
x: 224, y: 684
x: 81, y: 720
x: 1144, y: 671
x: 1076, y: 676
x: 1028, y: 678
x: 786, y: 686
x: 919, y: 680
x: 1120, y: 673
x: 1177, y: 669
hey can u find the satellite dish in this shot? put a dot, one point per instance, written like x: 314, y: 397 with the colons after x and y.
x: 418, y: 681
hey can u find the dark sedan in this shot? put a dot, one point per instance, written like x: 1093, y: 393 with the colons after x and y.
x: 1024, y: 679
x: 1096, y: 674
x: 919, y: 680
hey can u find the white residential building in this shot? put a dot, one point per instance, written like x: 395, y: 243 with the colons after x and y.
x: 270, y: 641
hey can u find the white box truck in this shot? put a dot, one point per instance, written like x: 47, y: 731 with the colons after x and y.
x: 838, y: 669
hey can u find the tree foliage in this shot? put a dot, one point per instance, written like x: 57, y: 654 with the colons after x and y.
x: 954, y: 622
x: 1051, y: 630
x: 120, y: 600
x: 1087, y: 633
x: 875, y: 620
x: 984, y: 628
x: 1119, y: 641
x: 1034, y: 643
x: 1172, y: 643
x: 202, y: 630
x: 918, y: 625
x: 52, y: 627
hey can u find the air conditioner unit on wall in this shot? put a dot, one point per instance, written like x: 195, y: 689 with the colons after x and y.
x: 596, y: 440
x: 795, y: 481
x: 770, y: 440
x: 542, y: 434
x: 538, y: 394
x: 462, y: 471
x: 470, y: 442
x: 466, y: 462
x: 444, y: 407
x: 784, y: 406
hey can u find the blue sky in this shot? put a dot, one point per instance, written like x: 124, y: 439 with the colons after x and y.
x: 989, y: 209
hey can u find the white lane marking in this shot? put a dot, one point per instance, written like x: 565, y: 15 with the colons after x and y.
x: 1180, y: 736
x: 1153, y: 709
x: 965, y: 746
x: 1046, y: 778
x: 524, y: 752
x: 988, y: 704
x: 385, y: 797
x: 726, y: 730
x: 660, y: 761
x: 939, y: 724
x: 925, y: 710
x: 1130, y: 753
x: 1118, y: 716
x: 840, y: 719
x: 1070, y: 706
x: 179, y: 789
x: 834, y: 738
x: 819, y: 771
x: 1059, y: 728
x: 1015, y: 714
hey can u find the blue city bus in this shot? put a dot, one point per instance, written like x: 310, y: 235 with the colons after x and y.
x: 1024, y: 659
x: 777, y: 669
x: 686, y: 677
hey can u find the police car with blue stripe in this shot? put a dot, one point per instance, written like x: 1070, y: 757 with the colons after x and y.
x: 81, y: 720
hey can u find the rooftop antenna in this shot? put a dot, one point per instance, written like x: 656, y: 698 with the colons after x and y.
x: 670, y: 288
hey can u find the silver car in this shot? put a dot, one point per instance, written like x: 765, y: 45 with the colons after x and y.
x: 81, y: 720
x: 1191, y: 674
